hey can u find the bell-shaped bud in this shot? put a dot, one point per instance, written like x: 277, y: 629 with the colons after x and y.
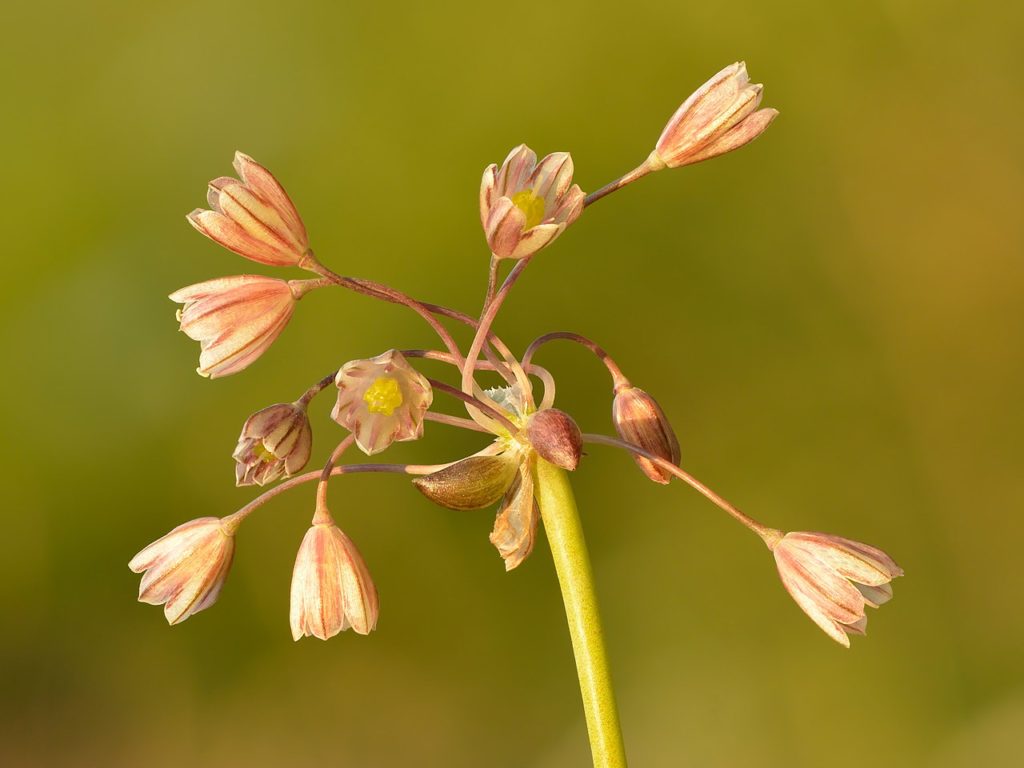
x: 639, y: 420
x: 473, y: 483
x: 832, y: 579
x: 515, y: 526
x: 275, y: 442
x: 331, y: 586
x: 185, y: 570
x: 556, y: 438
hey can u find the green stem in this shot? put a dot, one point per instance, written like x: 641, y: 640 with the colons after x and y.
x: 572, y: 564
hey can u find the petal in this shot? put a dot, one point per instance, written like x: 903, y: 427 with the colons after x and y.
x: 487, y: 192
x: 255, y: 216
x: 262, y: 183
x: 504, y: 227
x: 515, y: 525
x: 229, y: 234
x: 515, y: 170
x: 851, y: 559
x: 748, y: 130
x: 552, y: 178
x: 534, y: 239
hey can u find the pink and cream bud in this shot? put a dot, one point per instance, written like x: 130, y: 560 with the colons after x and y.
x: 832, y: 579
x: 331, y: 586
x: 254, y: 217
x: 235, y: 319
x: 381, y: 400
x: 275, y: 442
x: 722, y: 115
x: 639, y: 420
x: 185, y: 570
x: 525, y: 205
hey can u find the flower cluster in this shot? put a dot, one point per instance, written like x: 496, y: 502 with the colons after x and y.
x: 525, y: 205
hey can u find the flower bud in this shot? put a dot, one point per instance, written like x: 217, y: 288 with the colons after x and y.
x: 832, y: 579
x: 185, y: 570
x: 639, y: 420
x: 254, y: 217
x: 234, y: 319
x: 515, y: 526
x: 525, y: 205
x: 331, y: 586
x: 717, y: 118
x: 556, y: 438
x: 274, y: 442
x: 381, y: 400
x: 473, y: 483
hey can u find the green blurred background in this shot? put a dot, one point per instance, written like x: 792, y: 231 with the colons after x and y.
x: 831, y: 317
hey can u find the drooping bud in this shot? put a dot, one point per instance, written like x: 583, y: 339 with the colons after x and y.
x: 274, y: 442
x: 186, y: 569
x: 254, y: 217
x: 234, y: 319
x: 473, y: 483
x: 381, y: 400
x: 515, y: 526
x: 832, y: 579
x: 639, y: 420
x: 556, y: 438
x: 717, y: 118
x: 331, y: 586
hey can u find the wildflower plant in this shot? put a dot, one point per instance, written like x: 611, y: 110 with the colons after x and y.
x: 529, y: 446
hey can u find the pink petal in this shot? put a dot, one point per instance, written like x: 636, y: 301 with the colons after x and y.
x: 504, y: 227
x: 263, y: 184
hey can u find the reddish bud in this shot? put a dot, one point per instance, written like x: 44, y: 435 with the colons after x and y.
x: 639, y: 420
x: 556, y: 438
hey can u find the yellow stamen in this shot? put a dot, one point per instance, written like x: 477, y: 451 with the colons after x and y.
x: 383, y: 396
x: 531, y: 205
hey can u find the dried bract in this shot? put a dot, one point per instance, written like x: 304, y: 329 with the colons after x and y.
x: 525, y: 205
x: 515, y: 526
x: 473, y: 483
x: 185, y: 570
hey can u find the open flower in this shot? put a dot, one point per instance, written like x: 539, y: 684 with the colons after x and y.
x: 254, y: 217
x: 331, y: 586
x: 717, y: 118
x: 274, y: 442
x: 185, y: 570
x: 381, y: 400
x: 234, y: 319
x: 832, y: 579
x: 526, y: 205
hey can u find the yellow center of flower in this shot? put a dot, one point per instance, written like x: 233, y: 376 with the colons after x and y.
x: 531, y: 205
x: 383, y: 396
x: 263, y: 453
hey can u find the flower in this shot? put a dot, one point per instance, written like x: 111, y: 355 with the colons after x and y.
x: 526, y: 205
x: 639, y: 420
x: 254, y: 217
x: 832, y: 579
x: 186, y: 569
x: 381, y: 400
x: 331, y: 586
x: 274, y: 442
x: 234, y: 319
x: 717, y: 118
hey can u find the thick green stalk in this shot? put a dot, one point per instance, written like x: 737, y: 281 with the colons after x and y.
x: 572, y: 564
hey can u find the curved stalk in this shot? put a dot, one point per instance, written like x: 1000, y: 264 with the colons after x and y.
x: 572, y: 564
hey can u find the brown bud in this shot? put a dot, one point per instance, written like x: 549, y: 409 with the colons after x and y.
x: 639, y: 420
x: 556, y: 438
x: 473, y: 483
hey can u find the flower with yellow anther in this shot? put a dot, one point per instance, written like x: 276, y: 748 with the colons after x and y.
x: 381, y: 400
x: 525, y: 205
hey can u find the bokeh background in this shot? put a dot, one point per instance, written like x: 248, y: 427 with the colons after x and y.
x: 831, y: 317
